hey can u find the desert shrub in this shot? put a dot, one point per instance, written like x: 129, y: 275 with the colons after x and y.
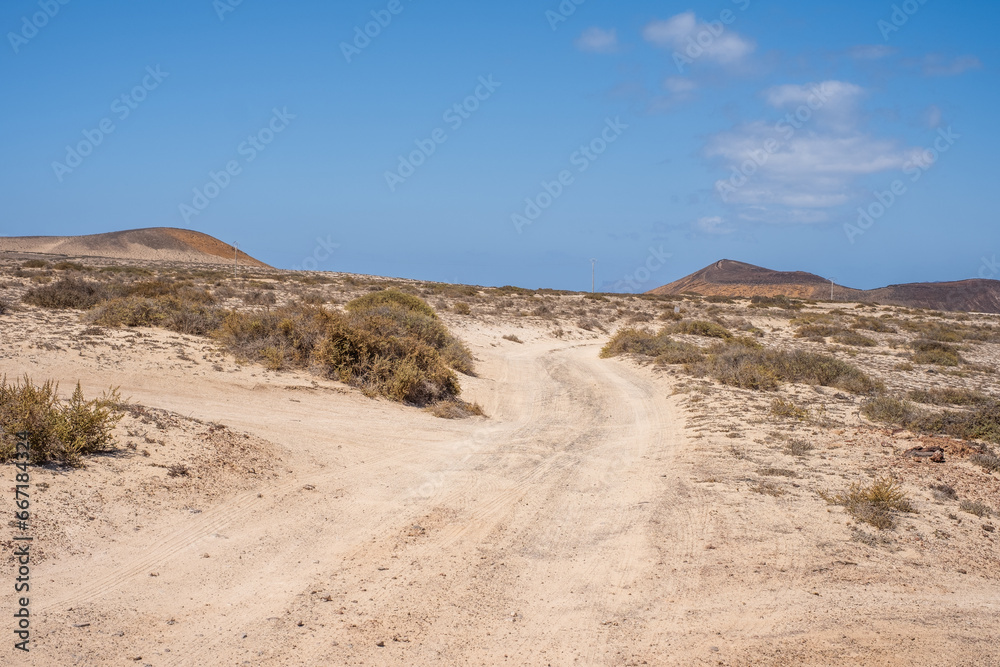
x: 975, y: 507
x: 981, y: 423
x: 818, y: 330
x: 701, y: 328
x: 780, y: 301
x: 677, y: 352
x: 127, y: 270
x: 744, y: 363
x: 876, y: 503
x: 934, y: 352
x: 279, y: 338
x: 393, y: 299
x: 461, y: 308
x: 987, y: 461
x: 589, y: 324
x: 889, y: 409
x: 69, y: 266
x: 671, y: 316
x: 170, y: 312
x: 192, y: 319
x: 639, y: 317
x: 978, y: 424
x: 259, y: 298
x: 787, y: 409
x: 65, y: 294
x: 798, y: 447
x: 57, y: 430
x: 873, y: 324
x: 768, y: 488
x: 949, y: 396
x: 777, y: 472
x: 645, y: 343
x: 512, y: 338
x: 35, y: 264
x: 944, y: 492
x: 935, y: 331
x: 129, y: 312
x: 456, y: 410
x: 855, y: 339
x: 388, y: 343
x: 456, y: 355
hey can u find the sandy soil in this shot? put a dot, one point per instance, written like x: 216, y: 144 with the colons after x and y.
x: 603, y: 513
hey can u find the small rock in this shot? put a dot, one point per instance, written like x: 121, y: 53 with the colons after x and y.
x: 380, y: 644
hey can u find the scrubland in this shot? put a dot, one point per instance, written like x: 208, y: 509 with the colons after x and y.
x: 317, y: 468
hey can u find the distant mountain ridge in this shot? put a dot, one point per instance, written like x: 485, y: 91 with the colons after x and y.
x: 151, y: 244
x: 738, y: 279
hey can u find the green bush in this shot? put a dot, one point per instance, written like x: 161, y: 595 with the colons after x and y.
x: 61, y: 431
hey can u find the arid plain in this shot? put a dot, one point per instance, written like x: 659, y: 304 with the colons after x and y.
x: 665, y: 502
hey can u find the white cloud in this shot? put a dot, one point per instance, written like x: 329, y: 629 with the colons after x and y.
x: 712, y: 225
x: 799, y: 168
x: 597, y: 40
x: 694, y: 39
x: 935, y: 64
x: 831, y: 104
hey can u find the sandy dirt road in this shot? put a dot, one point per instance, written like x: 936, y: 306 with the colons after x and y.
x: 571, y: 527
x: 448, y: 542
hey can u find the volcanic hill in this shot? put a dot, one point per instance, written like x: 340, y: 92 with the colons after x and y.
x: 738, y: 279
x: 152, y: 244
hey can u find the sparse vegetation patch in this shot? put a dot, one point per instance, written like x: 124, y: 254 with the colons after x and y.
x: 58, y: 430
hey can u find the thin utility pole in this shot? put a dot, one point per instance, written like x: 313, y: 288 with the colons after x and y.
x: 831, y: 288
x: 593, y: 275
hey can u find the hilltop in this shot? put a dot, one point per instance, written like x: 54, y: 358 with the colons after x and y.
x: 152, y: 244
x: 738, y: 279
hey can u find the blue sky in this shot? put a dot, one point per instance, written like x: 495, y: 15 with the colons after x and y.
x: 655, y: 137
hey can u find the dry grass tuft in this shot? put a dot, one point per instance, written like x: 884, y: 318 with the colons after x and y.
x: 875, y: 504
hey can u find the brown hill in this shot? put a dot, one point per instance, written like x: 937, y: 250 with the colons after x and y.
x: 153, y: 244
x: 737, y: 279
